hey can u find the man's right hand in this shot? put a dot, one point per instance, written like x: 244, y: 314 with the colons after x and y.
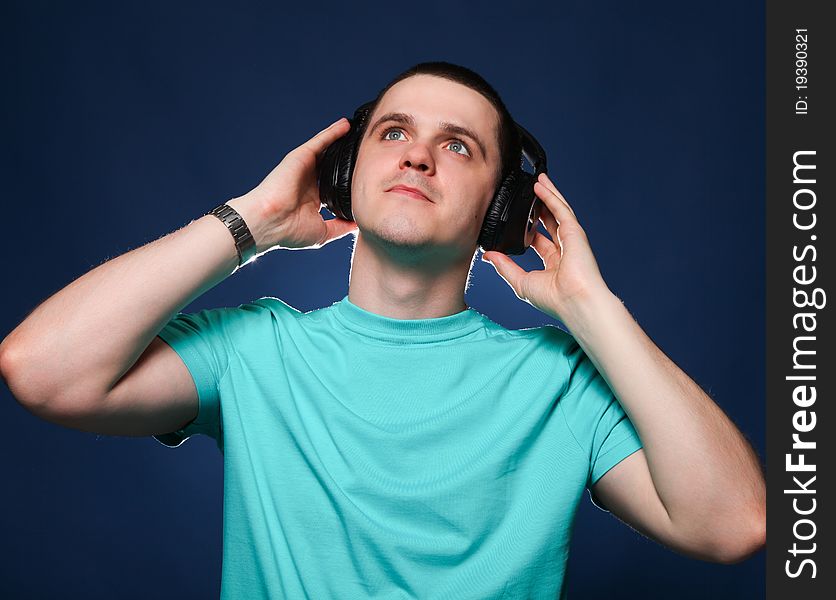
x: 283, y: 210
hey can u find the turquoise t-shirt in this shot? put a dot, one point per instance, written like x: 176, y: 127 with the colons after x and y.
x: 367, y: 456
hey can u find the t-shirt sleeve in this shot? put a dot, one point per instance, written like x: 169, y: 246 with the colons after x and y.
x: 595, y: 417
x: 201, y: 341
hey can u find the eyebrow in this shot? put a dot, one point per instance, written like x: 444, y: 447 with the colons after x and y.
x: 451, y: 128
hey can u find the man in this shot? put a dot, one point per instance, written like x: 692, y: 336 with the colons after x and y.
x: 398, y: 443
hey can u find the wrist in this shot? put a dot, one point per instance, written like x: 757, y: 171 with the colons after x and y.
x: 589, y: 311
x: 254, y: 215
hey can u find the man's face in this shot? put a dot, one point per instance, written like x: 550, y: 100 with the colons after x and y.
x: 454, y: 170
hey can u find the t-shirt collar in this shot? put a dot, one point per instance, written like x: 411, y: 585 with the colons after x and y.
x: 380, y: 327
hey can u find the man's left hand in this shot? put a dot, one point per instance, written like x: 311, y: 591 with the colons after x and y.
x: 570, y: 277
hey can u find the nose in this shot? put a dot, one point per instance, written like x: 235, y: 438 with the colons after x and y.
x: 419, y: 156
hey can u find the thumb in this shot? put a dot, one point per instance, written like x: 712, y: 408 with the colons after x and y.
x: 510, y: 271
x: 320, y: 142
x: 337, y: 228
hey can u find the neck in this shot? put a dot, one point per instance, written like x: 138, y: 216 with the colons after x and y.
x: 405, y: 289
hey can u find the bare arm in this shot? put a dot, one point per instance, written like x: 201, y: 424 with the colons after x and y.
x: 80, y: 341
x: 697, y: 485
x: 70, y: 353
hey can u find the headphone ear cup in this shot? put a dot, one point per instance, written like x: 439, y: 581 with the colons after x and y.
x: 526, y: 216
x: 344, y: 171
x: 336, y: 167
x: 335, y: 177
x: 511, y: 222
x: 493, y: 225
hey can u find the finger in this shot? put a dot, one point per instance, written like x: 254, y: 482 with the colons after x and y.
x: 544, y: 247
x: 318, y: 143
x: 331, y: 125
x: 559, y: 210
x: 553, y: 188
x: 337, y: 228
x: 549, y: 222
x: 557, y: 207
x: 550, y: 184
x: 506, y: 268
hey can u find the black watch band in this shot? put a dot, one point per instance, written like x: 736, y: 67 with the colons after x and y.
x: 244, y: 242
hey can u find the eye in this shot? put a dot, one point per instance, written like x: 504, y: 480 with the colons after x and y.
x: 386, y: 133
x: 459, y: 143
x: 385, y: 136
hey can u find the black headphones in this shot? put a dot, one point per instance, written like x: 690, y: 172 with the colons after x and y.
x: 513, y: 214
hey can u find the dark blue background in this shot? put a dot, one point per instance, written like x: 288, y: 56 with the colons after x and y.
x: 122, y: 124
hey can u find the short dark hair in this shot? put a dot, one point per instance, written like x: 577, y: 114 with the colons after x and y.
x: 508, y: 137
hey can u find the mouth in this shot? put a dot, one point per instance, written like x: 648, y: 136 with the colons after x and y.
x: 409, y: 191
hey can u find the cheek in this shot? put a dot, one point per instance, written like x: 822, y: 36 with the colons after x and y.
x: 479, y: 217
x: 364, y: 194
x: 482, y: 205
x: 468, y: 221
x: 358, y: 185
x: 362, y: 181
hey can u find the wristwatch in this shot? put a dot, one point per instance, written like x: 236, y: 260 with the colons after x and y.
x: 244, y: 241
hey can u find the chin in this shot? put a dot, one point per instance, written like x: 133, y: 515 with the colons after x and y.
x: 400, y: 231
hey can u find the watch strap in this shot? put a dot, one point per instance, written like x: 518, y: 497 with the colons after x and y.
x: 244, y: 241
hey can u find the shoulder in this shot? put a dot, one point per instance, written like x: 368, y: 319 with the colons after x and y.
x: 232, y: 320
x: 548, y: 345
x: 271, y: 306
x: 559, y: 351
x: 564, y: 348
x: 268, y: 308
x: 548, y: 339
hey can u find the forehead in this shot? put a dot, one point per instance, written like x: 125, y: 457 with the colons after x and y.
x: 432, y: 99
